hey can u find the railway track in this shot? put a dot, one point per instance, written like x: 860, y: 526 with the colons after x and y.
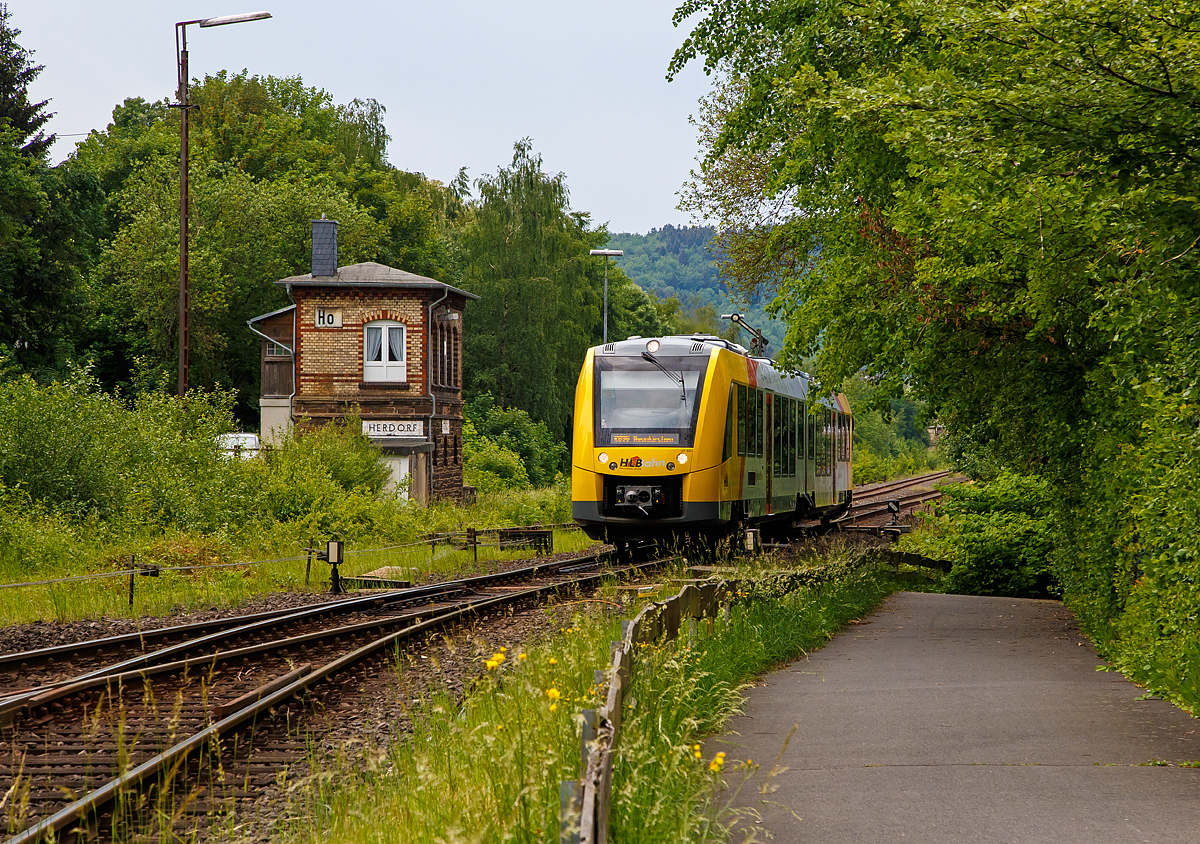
x: 144, y: 745
x: 873, y: 502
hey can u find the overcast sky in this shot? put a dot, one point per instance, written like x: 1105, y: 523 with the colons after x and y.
x: 461, y: 80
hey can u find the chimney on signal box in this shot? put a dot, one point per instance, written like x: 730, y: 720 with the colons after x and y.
x: 324, y: 247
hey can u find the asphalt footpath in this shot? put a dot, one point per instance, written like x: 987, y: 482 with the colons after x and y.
x: 946, y: 718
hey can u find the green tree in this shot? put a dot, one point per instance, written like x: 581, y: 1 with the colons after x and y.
x: 17, y: 70
x: 246, y: 234
x: 1000, y: 201
x: 526, y: 255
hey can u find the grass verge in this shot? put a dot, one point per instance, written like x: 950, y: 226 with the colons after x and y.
x: 64, y: 550
x: 488, y: 768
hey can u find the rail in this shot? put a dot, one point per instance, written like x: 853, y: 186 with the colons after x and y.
x: 247, y: 707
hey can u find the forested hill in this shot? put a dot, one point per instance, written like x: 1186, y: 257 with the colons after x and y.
x: 676, y: 262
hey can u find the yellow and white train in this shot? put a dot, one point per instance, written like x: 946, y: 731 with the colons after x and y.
x: 692, y: 435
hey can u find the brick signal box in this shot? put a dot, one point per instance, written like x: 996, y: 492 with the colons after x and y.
x: 373, y: 340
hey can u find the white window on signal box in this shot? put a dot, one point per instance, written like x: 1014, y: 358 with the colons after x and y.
x: 383, y: 351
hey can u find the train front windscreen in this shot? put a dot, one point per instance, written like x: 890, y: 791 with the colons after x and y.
x: 648, y: 400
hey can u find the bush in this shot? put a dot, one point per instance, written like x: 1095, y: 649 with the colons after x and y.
x: 999, y: 536
x: 513, y: 430
x: 489, y: 466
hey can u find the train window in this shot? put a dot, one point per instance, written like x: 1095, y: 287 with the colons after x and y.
x: 741, y: 419
x: 782, y: 427
x: 781, y: 437
x: 791, y: 419
x: 792, y: 440
x: 823, y: 442
x: 833, y: 437
x: 751, y: 414
x: 797, y: 437
x: 810, y: 423
x: 727, y: 450
x: 776, y: 440
x: 829, y: 441
x: 642, y: 402
x: 760, y: 425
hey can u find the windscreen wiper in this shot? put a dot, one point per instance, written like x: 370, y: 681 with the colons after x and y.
x: 669, y: 374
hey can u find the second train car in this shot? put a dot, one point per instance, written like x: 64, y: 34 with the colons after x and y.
x: 692, y: 435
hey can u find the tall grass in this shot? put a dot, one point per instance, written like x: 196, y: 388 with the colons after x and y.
x: 488, y: 767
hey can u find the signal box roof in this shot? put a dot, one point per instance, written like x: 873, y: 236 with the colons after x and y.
x: 371, y: 274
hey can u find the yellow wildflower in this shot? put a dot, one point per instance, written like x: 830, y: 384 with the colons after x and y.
x: 717, y: 763
x: 553, y: 707
x: 553, y: 693
x: 491, y: 664
x: 522, y: 656
x: 503, y: 649
x: 498, y: 658
x: 552, y: 661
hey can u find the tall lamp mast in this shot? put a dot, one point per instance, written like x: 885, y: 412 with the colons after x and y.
x: 184, y: 105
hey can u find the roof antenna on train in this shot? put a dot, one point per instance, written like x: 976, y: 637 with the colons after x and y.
x: 758, y: 343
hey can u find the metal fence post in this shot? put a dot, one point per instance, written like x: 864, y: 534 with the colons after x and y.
x: 131, y: 574
x: 569, y: 794
x: 590, y: 722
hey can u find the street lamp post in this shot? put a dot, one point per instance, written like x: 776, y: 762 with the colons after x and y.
x: 181, y: 54
x: 607, y: 253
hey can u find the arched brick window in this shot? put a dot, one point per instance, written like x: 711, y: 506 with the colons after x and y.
x: 383, y: 351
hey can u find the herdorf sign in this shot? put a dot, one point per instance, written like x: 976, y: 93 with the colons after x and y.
x: 384, y: 428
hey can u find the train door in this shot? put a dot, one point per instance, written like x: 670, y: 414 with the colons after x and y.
x: 835, y: 430
x: 810, y: 463
x: 768, y: 463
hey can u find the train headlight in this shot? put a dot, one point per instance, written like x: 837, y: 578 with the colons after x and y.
x: 652, y: 346
x: 603, y: 458
x: 682, y: 458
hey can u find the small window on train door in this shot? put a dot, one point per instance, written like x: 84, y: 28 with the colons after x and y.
x: 761, y: 424
x: 782, y: 427
x: 776, y: 439
x: 741, y: 419
x: 727, y: 451
x: 829, y: 442
x: 792, y: 438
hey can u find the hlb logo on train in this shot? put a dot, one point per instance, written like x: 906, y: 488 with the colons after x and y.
x: 638, y: 463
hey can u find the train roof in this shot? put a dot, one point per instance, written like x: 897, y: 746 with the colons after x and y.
x: 676, y: 345
x: 682, y: 345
